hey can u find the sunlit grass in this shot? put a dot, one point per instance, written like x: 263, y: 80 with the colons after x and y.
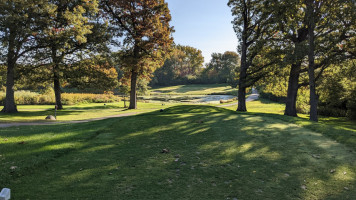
x: 269, y: 107
x: 214, y: 153
x: 28, y: 113
x: 194, y: 90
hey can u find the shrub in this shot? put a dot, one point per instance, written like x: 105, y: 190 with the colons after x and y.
x: 72, y: 98
x: 228, y: 101
x: 34, y: 98
x: 2, y: 98
x: 331, y: 111
x: 351, y: 105
x: 273, y: 97
x: 303, y: 101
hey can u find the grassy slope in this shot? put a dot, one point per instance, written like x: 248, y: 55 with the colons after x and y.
x: 339, y: 129
x: 29, y: 113
x: 214, y: 154
x: 194, y: 90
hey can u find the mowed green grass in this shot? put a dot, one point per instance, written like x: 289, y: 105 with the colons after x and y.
x: 214, y: 153
x: 196, y: 89
x: 30, y: 113
x: 340, y: 129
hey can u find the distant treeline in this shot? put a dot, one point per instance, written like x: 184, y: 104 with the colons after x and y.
x: 185, y: 66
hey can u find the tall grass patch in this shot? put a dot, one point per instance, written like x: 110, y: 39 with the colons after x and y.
x: 23, y: 97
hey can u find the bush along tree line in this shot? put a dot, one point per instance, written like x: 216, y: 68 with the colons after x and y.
x: 299, y: 45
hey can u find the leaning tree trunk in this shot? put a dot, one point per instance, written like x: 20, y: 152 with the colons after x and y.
x: 9, y: 103
x: 133, y: 97
x: 311, y: 59
x: 57, y: 87
x: 292, y: 93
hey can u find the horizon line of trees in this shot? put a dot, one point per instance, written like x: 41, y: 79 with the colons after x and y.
x: 185, y: 66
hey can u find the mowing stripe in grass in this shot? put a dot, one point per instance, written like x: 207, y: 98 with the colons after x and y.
x: 213, y: 154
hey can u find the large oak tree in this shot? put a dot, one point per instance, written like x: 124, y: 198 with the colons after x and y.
x: 330, y: 27
x: 70, y: 31
x: 147, y: 34
x: 18, y: 22
x: 252, y: 24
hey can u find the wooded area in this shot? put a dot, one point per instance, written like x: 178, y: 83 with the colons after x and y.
x: 301, y: 52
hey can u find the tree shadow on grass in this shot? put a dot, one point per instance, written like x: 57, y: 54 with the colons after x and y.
x: 266, y: 101
x: 32, y: 114
x: 213, y: 154
x: 96, y: 107
x: 338, y: 133
x: 28, y: 115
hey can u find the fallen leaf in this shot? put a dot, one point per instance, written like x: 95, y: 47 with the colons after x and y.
x: 317, y: 156
x: 165, y: 151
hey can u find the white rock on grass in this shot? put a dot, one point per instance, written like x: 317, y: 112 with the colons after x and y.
x: 50, y: 117
x: 5, y: 194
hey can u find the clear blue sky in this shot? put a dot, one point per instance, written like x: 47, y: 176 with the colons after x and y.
x: 203, y: 24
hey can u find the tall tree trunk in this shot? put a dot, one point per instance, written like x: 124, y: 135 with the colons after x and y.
x: 134, y: 75
x: 133, y: 100
x: 311, y: 59
x: 56, y: 80
x: 9, y: 104
x: 241, y: 97
x: 292, y: 93
x: 313, y: 96
x: 243, y: 73
x: 57, y: 87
